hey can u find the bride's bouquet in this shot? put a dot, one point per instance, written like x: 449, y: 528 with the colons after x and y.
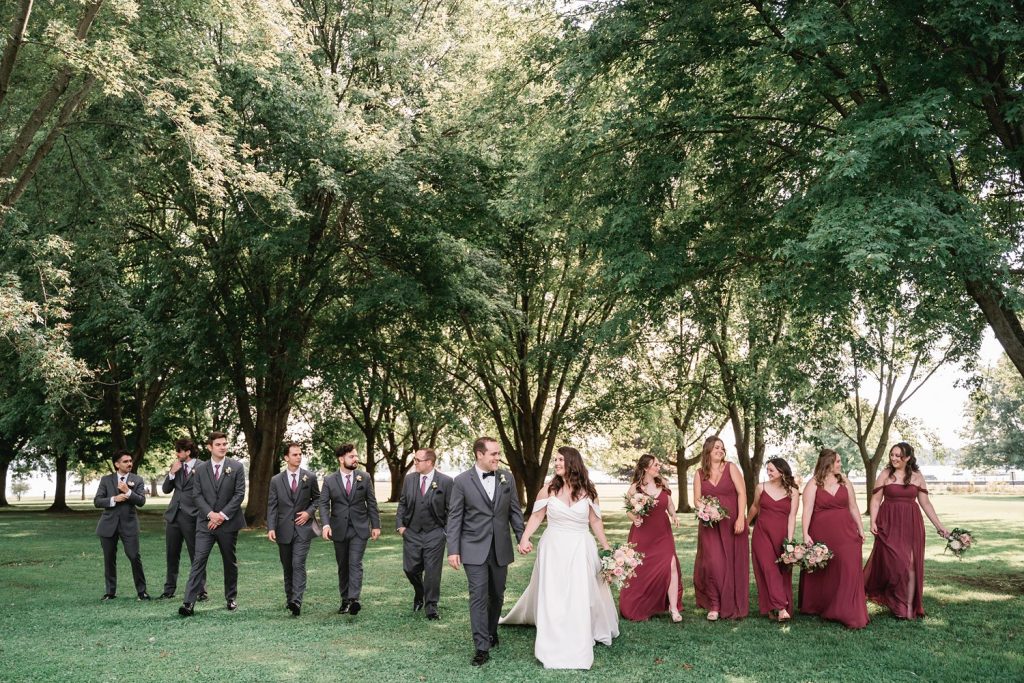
x: 816, y: 557
x: 619, y: 563
x: 959, y: 541
x: 791, y: 553
x: 709, y: 511
x: 639, y: 503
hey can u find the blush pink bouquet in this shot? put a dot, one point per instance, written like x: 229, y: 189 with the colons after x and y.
x: 959, y: 541
x: 619, y: 563
x: 816, y: 557
x: 791, y: 553
x: 639, y: 503
x: 709, y: 511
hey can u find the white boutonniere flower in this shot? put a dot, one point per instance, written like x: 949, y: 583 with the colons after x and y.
x: 503, y: 479
x: 433, y: 484
x: 227, y: 470
x: 359, y: 477
x: 305, y: 478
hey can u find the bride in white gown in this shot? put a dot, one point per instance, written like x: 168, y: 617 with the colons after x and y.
x: 570, y: 604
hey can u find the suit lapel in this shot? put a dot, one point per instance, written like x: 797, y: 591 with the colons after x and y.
x: 475, y: 476
x: 497, y: 491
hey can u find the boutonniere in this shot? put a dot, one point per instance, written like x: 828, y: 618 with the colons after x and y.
x: 433, y: 484
x: 227, y: 470
x: 305, y: 478
x: 359, y: 477
x: 503, y: 479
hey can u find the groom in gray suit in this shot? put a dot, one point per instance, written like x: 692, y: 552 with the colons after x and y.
x: 118, y: 495
x: 484, y: 505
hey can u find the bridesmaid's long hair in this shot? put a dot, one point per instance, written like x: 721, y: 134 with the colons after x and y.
x: 705, y: 455
x: 576, y: 476
x: 638, y: 472
x: 788, y: 482
x: 908, y: 451
x: 823, y: 468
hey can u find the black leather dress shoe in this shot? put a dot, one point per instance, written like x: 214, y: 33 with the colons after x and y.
x: 187, y: 609
x: 144, y: 596
x: 232, y: 605
x: 417, y: 605
x: 203, y: 597
x: 108, y: 596
x: 354, y: 607
x: 480, y: 658
x: 295, y: 608
x: 494, y: 641
x: 165, y: 595
x: 432, y: 614
x: 344, y: 607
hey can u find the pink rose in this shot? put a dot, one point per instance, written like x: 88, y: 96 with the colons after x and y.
x: 617, y: 571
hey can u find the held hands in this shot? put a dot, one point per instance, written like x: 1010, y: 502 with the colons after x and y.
x: 374, y: 534
x: 525, y: 547
x: 455, y: 561
x: 302, y: 518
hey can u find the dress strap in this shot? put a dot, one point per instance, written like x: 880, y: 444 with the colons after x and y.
x: 921, y: 489
x: 877, y: 489
x: 540, y: 504
x: 596, y: 508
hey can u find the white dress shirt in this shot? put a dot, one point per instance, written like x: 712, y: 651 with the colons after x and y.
x: 488, y: 482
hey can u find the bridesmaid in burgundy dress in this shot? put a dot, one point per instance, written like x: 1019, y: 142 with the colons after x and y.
x: 775, y: 504
x: 658, y: 584
x: 831, y: 517
x: 721, y: 570
x: 894, y: 574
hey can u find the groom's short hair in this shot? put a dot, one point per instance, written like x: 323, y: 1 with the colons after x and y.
x: 480, y: 445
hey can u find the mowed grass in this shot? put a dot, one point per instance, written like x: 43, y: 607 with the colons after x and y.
x: 53, y: 626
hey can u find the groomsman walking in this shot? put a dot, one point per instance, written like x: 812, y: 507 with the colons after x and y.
x: 421, y: 518
x: 348, y: 511
x: 291, y: 505
x: 217, y: 493
x: 180, y: 516
x: 119, y: 494
x: 484, y: 506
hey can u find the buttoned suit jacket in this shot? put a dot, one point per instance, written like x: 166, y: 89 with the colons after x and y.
x: 225, y: 496
x: 357, y: 509
x: 438, y: 498
x: 122, y: 518
x: 181, y: 493
x: 283, y: 505
x: 475, y: 522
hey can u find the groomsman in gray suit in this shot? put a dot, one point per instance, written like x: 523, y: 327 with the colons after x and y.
x: 119, y: 494
x: 348, y: 511
x: 291, y: 505
x: 484, y: 505
x: 421, y: 518
x: 217, y: 493
x: 180, y: 516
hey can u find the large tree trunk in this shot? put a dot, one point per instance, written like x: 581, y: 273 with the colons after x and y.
x: 5, y: 464
x: 61, y: 485
x: 1001, y: 318
x: 683, y: 465
x: 271, y: 425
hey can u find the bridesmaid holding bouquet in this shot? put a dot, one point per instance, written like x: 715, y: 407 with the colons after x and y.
x: 721, y: 570
x: 894, y: 574
x: 775, y: 505
x: 831, y: 517
x: 658, y: 584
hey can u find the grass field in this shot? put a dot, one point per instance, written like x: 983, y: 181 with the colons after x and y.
x: 53, y: 626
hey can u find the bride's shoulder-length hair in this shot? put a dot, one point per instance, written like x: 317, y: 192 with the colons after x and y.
x: 576, y: 476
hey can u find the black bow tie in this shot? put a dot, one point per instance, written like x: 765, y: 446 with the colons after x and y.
x: 488, y: 474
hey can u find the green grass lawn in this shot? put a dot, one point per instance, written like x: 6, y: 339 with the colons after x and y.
x: 53, y: 626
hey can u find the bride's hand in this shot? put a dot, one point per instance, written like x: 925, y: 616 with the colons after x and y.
x: 525, y: 547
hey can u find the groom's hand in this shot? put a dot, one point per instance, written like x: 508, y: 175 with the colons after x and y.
x: 455, y: 561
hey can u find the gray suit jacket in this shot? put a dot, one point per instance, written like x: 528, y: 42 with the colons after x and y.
x: 121, y: 518
x: 181, y: 498
x: 223, y: 496
x: 283, y: 505
x: 357, y: 509
x: 475, y: 522
x: 438, y: 498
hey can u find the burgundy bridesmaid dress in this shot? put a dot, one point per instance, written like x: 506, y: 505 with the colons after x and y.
x: 721, y: 570
x: 837, y: 591
x: 898, y: 550
x: 647, y: 592
x: 774, y: 581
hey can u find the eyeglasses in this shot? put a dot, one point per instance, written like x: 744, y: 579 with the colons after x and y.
x: 422, y: 459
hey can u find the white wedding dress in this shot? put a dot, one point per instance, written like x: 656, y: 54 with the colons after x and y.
x: 570, y: 604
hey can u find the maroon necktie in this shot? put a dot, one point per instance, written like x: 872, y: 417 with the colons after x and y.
x: 423, y: 486
x: 348, y: 483
x: 295, y: 484
x: 216, y: 472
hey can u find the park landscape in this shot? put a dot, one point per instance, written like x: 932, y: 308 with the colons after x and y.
x: 620, y: 225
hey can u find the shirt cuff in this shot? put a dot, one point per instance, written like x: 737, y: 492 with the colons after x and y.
x: 112, y: 502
